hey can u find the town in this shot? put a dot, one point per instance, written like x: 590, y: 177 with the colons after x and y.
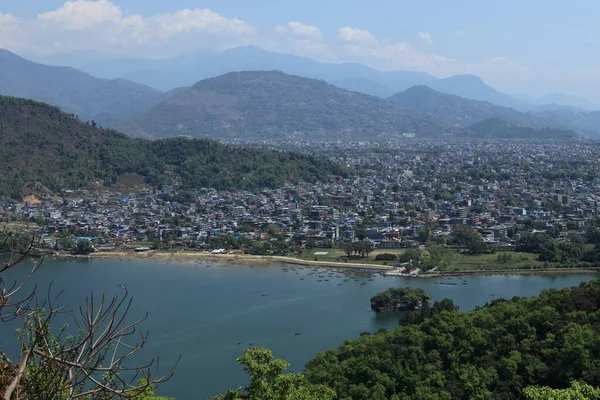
x: 403, y: 195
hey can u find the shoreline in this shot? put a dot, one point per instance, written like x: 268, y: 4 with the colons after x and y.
x: 251, y: 260
x: 229, y: 259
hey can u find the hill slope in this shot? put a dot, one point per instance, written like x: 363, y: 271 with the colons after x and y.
x: 456, y: 109
x: 498, y: 128
x: 108, y: 102
x: 43, y: 148
x: 473, y: 87
x: 274, y: 105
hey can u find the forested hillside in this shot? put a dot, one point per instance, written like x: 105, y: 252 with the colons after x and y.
x: 493, y: 352
x: 43, y: 148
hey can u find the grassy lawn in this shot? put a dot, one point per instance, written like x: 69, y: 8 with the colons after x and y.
x: 18, y: 226
x: 338, y: 255
x: 465, y: 262
x: 459, y: 261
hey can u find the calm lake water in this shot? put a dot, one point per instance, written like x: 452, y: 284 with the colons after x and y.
x: 202, y: 310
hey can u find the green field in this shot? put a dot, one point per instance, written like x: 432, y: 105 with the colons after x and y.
x: 459, y: 261
x: 469, y: 262
x: 338, y: 255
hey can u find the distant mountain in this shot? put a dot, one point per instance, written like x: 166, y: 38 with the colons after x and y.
x: 584, y: 123
x: 473, y: 87
x: 188, y: 69
x: 557, y: 101
x: 274, y: 105
x: 458, y: 110
x: 108, y: 102
x: 44, y: 149
x: 373, y: 88
x: 499, y: 128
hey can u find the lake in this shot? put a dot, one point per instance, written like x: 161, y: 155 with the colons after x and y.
x: 201, y: 310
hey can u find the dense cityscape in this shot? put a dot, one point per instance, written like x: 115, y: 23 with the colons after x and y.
x: 402, y: 195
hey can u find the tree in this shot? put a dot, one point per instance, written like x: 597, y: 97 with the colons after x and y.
x: 83, y: 247
x: 364, y: 247
x: 411, y: 255
x: 269, y: 380
x: 361, y: 234
x: 93, y: 362
x: 348, y: 248
x: 469, y: 239
x: 406, y: 298
x: 273, y: 230
x: 425, y: 257
x: 424, y: 233
x: 577, y: 391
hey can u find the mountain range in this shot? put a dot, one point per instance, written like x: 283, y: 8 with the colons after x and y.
x: 108, y: 102
x: 188, y: 69
x: 276, y: 105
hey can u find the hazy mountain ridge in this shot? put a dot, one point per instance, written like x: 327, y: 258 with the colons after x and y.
x: 108, y: 102
x: 187, y: 69
x: 457, y: 110
x: 309, y: 108
x: 274, y: 105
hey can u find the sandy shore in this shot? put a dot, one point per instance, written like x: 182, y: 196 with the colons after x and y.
x: 232, y: 259
x: 247, y: 259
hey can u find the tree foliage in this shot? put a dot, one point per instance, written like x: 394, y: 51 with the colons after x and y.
x: 393, y: 298
x: 270, y: 381
x: 577, y: 391
x: 492, y: 352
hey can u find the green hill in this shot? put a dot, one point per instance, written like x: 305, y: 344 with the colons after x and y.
x: 42, y: 148
x: 492, y: 352
x: 274, y: 105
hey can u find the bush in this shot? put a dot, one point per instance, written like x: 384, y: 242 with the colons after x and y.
x: 386, y: 257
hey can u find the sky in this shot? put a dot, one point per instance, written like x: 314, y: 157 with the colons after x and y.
x: 519, y: 46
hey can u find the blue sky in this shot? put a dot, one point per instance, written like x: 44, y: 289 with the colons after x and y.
x: 526, y: 46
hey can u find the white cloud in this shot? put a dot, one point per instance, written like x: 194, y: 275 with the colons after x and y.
x: 357, y: 36
x: 300, y: 30
x: 400, y: 56
x: 86, y: 25
x: 504, y: 64
x: 102, y: 26
x: 80, y: 14
x: 7, y: 19
x: 460, y: 33
x: 426, y: 38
